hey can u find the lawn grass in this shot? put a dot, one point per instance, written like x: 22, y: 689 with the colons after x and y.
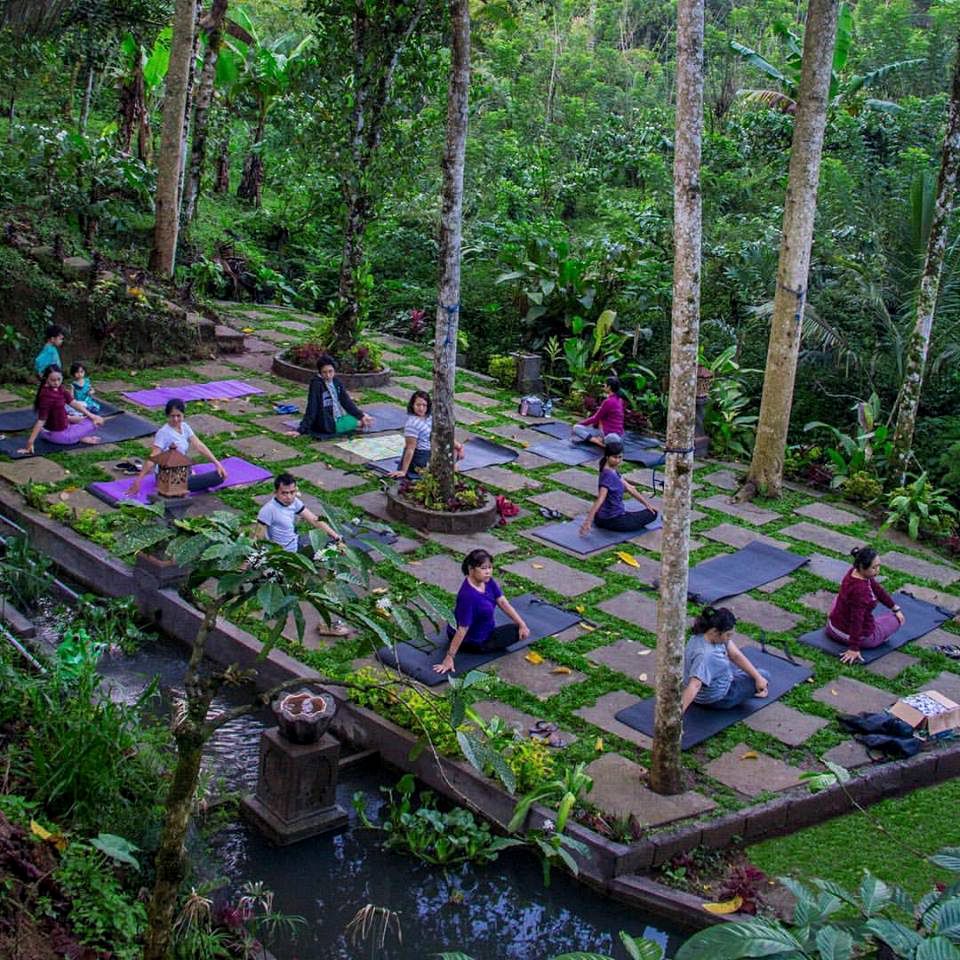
x: 923, y: 822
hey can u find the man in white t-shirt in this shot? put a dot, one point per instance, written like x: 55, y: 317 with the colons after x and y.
x: 277, y: 522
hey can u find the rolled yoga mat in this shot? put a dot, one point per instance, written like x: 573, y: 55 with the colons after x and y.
x: 124, y: 426
x: 239, y: 471
x: 920, y: 618
x: 732, y: 573
x: 23, y: 418
x: 567, y: 534
x: 701, y: 723
x: 544, y: 619
x: 213, y: 390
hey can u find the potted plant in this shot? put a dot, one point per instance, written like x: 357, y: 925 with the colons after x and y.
x: 361, y: 366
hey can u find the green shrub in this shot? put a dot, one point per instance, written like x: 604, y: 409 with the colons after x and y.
x: 919, y: 507
x: 862, y: 487
x: 503, y: 369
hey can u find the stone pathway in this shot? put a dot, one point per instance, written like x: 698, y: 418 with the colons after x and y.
x: 749, y: 772
x: 628, y: 657
x: 787, y: 725
x: 920, y: 568
x: 847, y: 695
x: 822, y: 537
x: 743, y: 511
x: 826, y: 513
x: 503, y: 479
x: 558, y: 577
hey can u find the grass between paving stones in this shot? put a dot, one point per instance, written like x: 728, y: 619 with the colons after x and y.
x: 918, y: 824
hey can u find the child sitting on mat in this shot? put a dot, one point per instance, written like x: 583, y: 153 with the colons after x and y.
x: 851, y: 620
x: 608, y: 418
x: 608, y: 511
x: 477, y: 599
x: 60, y: 418
x: 82, y: 387
x: 416, y: 437
x: 330, y: 409
x: 715, y: 673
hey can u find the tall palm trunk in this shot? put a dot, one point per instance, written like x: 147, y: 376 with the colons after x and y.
x: 170, y: 162
x: 766, y: 467
x: 687, y: 237
x: 919, y: 343
x: 451, y: 228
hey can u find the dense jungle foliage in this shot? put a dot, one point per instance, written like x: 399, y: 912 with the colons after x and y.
x: 568, y: 196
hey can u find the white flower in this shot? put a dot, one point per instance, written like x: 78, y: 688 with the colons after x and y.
x: 549, y: 826
x: 384, y: 603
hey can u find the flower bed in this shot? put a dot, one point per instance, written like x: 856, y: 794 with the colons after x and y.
x: 418, y: 504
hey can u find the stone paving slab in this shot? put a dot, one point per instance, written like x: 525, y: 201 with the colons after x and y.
x: 374, y: 503
x: 517, y: 435
x: 563, y: 502
x: 774, y: 585
x: 764, y: 614
x: 311, y: 639
x: 618, y: 790
x: 515, y: 414
x: 462, y: 543
x: 276, y: 423
x: 827, y: 513
x: 635, y: 608
x: 558, y: 577
x: 628, y: 657
x: 603, y: 714
x: 503, y: 479
x: 477, y: 399
x: 416, y: 383
x: 752, y: 776
x: 805, y: 489
x: 581, y: 480
x: 819, y: 600
x: 847, y: 695
x: 652, y: 542
x: 208, y: 425
x: 724, y: 479
x: 275, y: 336
x: 916, y: 567
x: 891, y: 664
x: 540, y: 679
x: 322, y: 475
x: 818, y: 536
x: 642, y: 478
x: 787, y: 725
x: 441, y: 570
x: 271, y: 389
x: 827, y: 568
x: 7, y: 397
x: 520, y: 721
x: 744, y: 511
x: 79, y: 500
x: 647, y: 571
x: 948, y: 601
x: 214, y: 370
x: 946, y: 683
x: 848, y: 754
x: 466, y: 415
x: 119, y: 386
x: 294, y: 325
x: 736, y: 536
x: 261, y: 362
x: 397, y: 392
x: 37, y: 469
x: 264, y: 448
x: 531, y: 461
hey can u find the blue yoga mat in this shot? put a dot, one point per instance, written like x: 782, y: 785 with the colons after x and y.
x: 23, y: 418
x: 561, y: 430
x: 732, y: 573
x: 477, y: 453
x: 920, y: 618
x: 566, y: 534
x: 124, y: 426
x: 544, y: 619
x: 701, y: 723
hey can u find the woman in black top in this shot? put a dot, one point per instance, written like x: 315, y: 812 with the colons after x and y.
x: 330, y: 409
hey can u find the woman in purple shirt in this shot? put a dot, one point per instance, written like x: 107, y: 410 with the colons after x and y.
x: 608, y: 511
x: 477, y: 600
x: 608, y: 419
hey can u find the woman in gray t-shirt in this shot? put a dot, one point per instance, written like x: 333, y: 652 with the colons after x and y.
x: 715, y: 672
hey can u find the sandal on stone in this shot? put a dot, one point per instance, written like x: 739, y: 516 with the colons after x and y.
x: 549, y: 514
x: 543, y: 727
x: 950, y: 650
x: 336, y: 629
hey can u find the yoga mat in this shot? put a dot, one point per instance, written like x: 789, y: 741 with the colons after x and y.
x: 484, y: 453
x: 732, y: 573
x: 562, y: 451
x: 543, y: 619
x: 239, y: 471
x: 24, y: 418
x: 214, y: 390
x: 386, y: 416
x: 921, y: 618
x: 566, y: 534
x: 124, y: 426
x: 701, y: 723
x: 561, y: 430
x: 379, y: 449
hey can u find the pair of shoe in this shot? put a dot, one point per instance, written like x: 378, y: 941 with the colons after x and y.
x: 550, y: 514
x: 288, y: 408
x: 950, y: 650
x: 546, y: 731
x: 129, y: 468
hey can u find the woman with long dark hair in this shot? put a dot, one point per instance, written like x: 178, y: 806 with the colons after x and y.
x: 60, y: 418
x: 608, y: 418
x: 608, y: 511
x: 417, y: 433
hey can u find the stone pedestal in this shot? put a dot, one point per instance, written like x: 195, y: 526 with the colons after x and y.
x: 529, y: 379
x: 296, y: 789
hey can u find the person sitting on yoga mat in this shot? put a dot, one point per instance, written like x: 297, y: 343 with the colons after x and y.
x: 477, y: 599
x: 416, y: 436
x: 608, y: 418
x: 608, y: 511
x: 176, y: 434
x: 851, y: 620
x: 60, y: 418
x: 330, y: 409
x: 82, y: 387
x: 49, y: 355
x: 715, y: 673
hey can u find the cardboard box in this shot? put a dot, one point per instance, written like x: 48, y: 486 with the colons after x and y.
x: 929, y: 711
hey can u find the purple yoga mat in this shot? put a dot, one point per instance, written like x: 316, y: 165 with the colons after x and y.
x: 215, y: 390
x: 239, y: 471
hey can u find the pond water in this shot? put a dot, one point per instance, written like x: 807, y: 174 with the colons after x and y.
x: 497, y: 912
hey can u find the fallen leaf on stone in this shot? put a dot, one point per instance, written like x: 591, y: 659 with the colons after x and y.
x: 589, y: 627
x: 598, y: 745
x: 564, y: 671
x: 580, y: 609
x: 751, y: 755
x: 533, y: 657
x: 726, y: 906
x: 628, y: 559
x: 645, y: 652
x: 833, y: 692
x: 247, y: 330
x: 379, y: 590
x: 537, y: 566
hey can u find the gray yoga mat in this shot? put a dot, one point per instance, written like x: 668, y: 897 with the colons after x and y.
x: 23, y: 418
x: 124, y: 426
x: 570, y: 454
x: 561, y: 430
x: 544, y: 619
x: 386, y: 417
x: 920, y: 618
x: 732, y: 573
x: 701, y: 723
x: 477, y: 453
x: 567, y: 534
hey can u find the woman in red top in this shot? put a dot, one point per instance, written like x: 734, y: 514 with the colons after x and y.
x: 54, y: 423
x: 851, y: 620
x: 608, y: 419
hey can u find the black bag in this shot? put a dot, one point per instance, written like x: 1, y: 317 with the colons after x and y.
x: 882, y: 723
x: 892, y: 748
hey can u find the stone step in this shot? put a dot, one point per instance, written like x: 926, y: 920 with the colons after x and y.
x: 228, y: 339
x: 206, y: 329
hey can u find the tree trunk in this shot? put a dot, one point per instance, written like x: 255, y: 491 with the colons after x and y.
x: 251, y: 181
x: 221, y: 181
x: 766, y: 467
x: 170, y: 163
x: 87, y: 97
x: 687, y: 235
x: 188, y: 105
x: 133, y: 107
x: 198, y: 147
x: 451, y: 223
x: 919, y: 343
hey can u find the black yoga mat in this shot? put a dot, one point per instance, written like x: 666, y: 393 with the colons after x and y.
x: 701, y: 723
x: 561, y: 430
x: 386, y: 417
x: 544, y: 619
x: 23, y: 418
x: 567, y: 534
x: 732, y: 573
x: 570, y: 454
x: 920, y: 618
x: 477, y: 453
x: 367, y: 540
x: 124, y: 426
